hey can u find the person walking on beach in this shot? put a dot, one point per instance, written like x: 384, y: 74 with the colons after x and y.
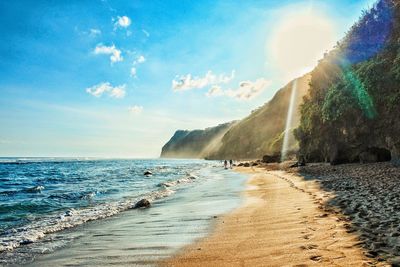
x: 231, y: 163
x: 226, y: 164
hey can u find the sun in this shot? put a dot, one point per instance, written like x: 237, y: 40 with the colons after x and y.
x: 299, y: 40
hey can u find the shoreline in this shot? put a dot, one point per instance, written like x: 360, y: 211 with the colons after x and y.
x: 283, y: 221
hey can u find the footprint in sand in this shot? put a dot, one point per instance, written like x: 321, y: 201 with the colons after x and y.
x: 307, y: 236
x: 316, y: 258
x: 309, y: 247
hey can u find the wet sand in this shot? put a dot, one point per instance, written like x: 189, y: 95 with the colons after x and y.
x: 144, y: 237
x: 283, y: 222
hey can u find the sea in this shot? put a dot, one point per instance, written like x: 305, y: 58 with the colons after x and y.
x: 79, y: 211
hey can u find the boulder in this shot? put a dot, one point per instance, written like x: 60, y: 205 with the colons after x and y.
x: 142, y: 204
x: 246, y: 164
x: 147, y: 173
x: 271, y: 158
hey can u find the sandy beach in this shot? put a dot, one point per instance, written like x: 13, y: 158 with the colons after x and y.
x: 283, y: 222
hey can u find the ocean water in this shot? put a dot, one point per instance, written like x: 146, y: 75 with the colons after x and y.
x: 56, y: 211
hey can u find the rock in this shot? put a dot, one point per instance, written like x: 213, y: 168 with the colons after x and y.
x: 165, y: 184
x: 70, y: 212
x: 147, y: 173
x: 192, y: 177
x: 241, y: 165
x: 246, y: 164
x: 36, y: 189
x: 294, y: 165
x: 25, y: 242
x: 254, y: 164
x: 143, y: 203
x: 271, y: 158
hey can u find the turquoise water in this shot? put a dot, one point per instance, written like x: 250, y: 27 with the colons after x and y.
x: 75, y: 211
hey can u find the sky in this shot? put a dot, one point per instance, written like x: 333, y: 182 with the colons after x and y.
x: 117, y: 78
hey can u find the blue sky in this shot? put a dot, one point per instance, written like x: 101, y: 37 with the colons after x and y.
x: 117, y: 78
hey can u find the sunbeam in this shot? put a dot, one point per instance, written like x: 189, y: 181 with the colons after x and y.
x: 289, y: 120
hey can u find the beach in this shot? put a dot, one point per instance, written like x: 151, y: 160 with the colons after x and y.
x: 285, y: 220
x: 261, y: 215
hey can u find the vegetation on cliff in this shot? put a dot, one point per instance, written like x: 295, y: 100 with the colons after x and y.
x: 195, y: 144
x: 260, y: 133
x: 354, y: 99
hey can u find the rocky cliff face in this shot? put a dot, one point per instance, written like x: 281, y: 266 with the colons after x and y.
x: 258, y: 134
x: 262, y: 131
x: 196, y: 143
x: 351, y: 113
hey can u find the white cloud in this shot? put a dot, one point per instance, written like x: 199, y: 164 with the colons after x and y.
x: 105, y: 87
x: 94, y: 32
x: 122, y: 22
x: 187, y: 82
x: 135, y: 109
x: 247, y: 90
x: 133, y: 72
x: 115, y: 54
x: 141, y: 59
x: 118, y: 92
x: 216, y: 90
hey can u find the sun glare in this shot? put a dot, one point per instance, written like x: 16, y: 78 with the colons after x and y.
x: 299, y: 41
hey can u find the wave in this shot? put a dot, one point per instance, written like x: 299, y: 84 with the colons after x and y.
x: 189, y: 178
x: 36, y: 230
x: 16, y: 161
x: 34, y: 189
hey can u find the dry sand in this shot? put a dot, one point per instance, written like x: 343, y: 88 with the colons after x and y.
x: 281, y: 223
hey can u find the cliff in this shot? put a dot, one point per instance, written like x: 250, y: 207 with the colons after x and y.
x: 196, y: 143
x: 262, y: 131
x: 258, y: 134
x: 351, y: 113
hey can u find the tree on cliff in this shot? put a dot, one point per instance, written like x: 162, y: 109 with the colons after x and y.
x: 354, y: 98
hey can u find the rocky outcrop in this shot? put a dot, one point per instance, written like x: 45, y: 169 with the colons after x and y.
x: 271, y: 158
x: 196, y: 143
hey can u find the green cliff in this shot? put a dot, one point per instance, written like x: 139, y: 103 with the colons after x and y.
x: 256, y: 135
x: 262, y: 131
x: 352, y: 110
